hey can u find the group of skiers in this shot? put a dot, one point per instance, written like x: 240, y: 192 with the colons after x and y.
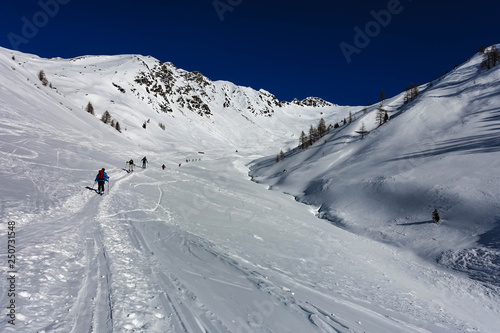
x: 131, y: 164
x: 103, y: 177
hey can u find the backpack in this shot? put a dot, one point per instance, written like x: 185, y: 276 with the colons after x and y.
x: 100, y: 175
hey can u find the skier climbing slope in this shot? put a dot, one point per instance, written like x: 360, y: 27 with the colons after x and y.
x: 101, y: 178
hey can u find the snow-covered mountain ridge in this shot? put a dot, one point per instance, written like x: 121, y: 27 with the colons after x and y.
x: 196, y: 92
x: 137, y: 89
x: 198, y: 247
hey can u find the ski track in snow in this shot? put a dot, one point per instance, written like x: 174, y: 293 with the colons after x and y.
x: 134, y: 271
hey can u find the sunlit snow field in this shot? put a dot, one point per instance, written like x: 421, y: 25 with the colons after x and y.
x: 337, y: 238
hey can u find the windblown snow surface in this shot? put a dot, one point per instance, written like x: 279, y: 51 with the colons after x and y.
x: 199, y: 247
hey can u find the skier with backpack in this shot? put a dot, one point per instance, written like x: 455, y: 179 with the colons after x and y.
x: 130, y: 165
x: 101, y: 178
x: 144, y: 161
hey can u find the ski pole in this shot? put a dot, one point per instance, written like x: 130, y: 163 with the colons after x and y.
x: 94, y: 184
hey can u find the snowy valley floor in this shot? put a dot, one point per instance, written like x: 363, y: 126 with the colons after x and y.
x: 201, y: 248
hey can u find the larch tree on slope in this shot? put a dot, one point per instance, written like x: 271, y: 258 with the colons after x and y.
x: 382, y: 96
x: 303, y: 141
x: 106, y: 117
x: 381, y: 115
x: 362, y: 130
x: 435, y: 216
x: 321, y: 128
x: 42, y: 77
x: 90, y: 108
x: 411, y: 93
x: 315, y: 133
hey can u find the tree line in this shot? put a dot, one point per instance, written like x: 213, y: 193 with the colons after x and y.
x: 315, y: 133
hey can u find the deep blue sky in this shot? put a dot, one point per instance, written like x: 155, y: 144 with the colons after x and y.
x: 290, y: 48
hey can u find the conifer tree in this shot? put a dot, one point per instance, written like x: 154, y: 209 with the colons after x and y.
x: 414, y: 92
x: 90, y: 108
x: 313, y: 134
x: 282, y: 155
x: 380, y: 115
x: 411, y: 93
x: 106, y: 117
x: 382, y: 96
x: 435, y: 215
x: 42, y: 77
x: 362, y: 130
x: 117, y: 127
x: 407, y: 95
x: 321, y: 128
x: 303, y: 140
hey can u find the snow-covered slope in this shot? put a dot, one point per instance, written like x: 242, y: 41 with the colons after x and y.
x: 136, y: 89
x: 440, y: 151
x: 198, y: 247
